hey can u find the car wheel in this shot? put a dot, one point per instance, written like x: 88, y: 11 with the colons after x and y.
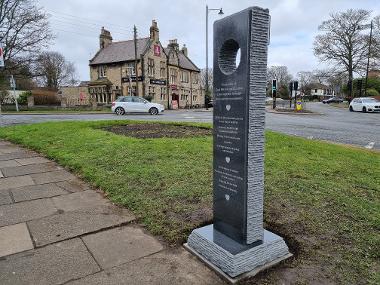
x: 364, y: 110
x: 351, y: 110
x: 153, y: 111
x: 119, y: 111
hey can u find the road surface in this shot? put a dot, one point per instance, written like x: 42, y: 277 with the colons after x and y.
x: 333, y: 124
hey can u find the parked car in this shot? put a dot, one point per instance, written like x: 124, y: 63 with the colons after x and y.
x: 134, y: 104
x: 365, y: 104
x: 333, y: 100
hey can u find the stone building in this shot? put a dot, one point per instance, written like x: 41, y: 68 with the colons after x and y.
x: 164, y: 75
x: 72, y: 96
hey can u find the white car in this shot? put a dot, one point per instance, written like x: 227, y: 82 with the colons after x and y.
x: 365, y: 104
x: 134, y: 104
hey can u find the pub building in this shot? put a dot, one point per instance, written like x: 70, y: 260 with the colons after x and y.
x: 164, y: 75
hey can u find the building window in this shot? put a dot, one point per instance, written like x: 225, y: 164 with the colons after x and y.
x: 316, y: 90
x: 162, y: 69
x: 151, y: 67
x: 102, y: 71
x: 130, y: 70
x: 195, y: 78
x: 163, y: 93
x: 173, y: 76
x: 185, y: 76
x: 151, y: 91
x: 131, y: 91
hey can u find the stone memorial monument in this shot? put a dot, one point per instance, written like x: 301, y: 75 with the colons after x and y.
x: 237, y: 243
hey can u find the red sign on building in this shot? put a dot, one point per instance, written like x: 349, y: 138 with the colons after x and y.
x: 157, y: 50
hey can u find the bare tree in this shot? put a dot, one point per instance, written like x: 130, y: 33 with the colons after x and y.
x: 280, y: 73
x: 53, y: 70
x: 342, y: 42
x: 305, y: 78
x: 24, y: 31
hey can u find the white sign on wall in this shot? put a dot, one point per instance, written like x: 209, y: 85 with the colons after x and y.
x: 2, y: 64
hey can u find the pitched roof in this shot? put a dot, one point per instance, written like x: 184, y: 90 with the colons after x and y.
x: 184, y: 61
x: 318, y: 86
x: 119, y: 51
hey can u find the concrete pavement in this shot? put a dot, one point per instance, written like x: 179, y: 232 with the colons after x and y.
x: 55, y: 229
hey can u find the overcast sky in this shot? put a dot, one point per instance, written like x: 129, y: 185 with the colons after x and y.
x: 294, y: 25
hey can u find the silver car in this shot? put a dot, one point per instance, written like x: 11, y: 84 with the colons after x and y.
x: 134, y: 104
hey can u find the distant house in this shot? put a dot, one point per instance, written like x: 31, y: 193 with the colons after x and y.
x: 321, y: 90
x: 72, y: 96
x: 374, y: 73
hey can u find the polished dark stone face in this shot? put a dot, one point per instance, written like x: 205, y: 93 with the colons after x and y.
x: 231, y: 89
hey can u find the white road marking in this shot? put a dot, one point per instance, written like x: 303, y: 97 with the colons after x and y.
x: 189, y: 117
x: 370, y: 145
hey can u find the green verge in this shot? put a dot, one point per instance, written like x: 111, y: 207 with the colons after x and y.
x: 323, y: 198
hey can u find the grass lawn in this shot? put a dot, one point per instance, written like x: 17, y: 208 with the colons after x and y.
x: 323, y: 198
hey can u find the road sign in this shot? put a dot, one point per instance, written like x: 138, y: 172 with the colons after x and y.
x: 2, y: 64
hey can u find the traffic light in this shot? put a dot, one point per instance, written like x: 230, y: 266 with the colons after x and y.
x: 295, y: 85
x: 291, y: 86
x: 274, y: 85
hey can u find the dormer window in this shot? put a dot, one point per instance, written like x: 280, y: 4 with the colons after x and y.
x: 102, y: 71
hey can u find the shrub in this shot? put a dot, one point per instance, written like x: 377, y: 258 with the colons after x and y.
x: 23, y: 98
x: 372, y: 92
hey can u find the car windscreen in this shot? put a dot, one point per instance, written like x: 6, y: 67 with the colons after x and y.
x: 370, y: 101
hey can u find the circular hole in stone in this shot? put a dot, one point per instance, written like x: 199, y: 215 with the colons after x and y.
x: 229, y: 57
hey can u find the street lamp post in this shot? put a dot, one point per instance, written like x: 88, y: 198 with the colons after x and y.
x: 220, y: 13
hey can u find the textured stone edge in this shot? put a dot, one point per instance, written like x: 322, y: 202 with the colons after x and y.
x: 257, y: 84
x: 234, y: 280
x: 235, y: 265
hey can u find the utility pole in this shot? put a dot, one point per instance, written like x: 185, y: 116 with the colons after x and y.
x: 207, y: 85
x: 369, y: 54
x: 136, y: 71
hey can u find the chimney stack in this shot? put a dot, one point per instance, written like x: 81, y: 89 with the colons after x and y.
x: 173, y: 44
x: 105, y: 38
x: 154, y: 32
x: 184, y: 50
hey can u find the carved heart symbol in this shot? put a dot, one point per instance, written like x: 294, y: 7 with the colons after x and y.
x: 228, y: 107
x: 227, y: 197
x: 228, y: 159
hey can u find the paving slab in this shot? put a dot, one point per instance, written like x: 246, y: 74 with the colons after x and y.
x: 74, y: 185
x: 15, y: 182
x: 9, y: 149
x: 76, y: 223
x: 166, y: 267
x: 128, y: 243
x: 53, y: 264
x: 79, y: 200
x: 53, y: 176
x: 5, y: 198
x: 8, y: 163
x: 25, y: 211
x: 14, y: 155
x: 29, y: 169
x: 14, y: 239
x: 32, y: 160
x: 37, y: 192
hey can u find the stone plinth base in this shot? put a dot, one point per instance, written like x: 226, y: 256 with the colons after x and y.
x: 234, y: 258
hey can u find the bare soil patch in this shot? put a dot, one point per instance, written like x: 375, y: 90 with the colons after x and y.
x: 154, y: 131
